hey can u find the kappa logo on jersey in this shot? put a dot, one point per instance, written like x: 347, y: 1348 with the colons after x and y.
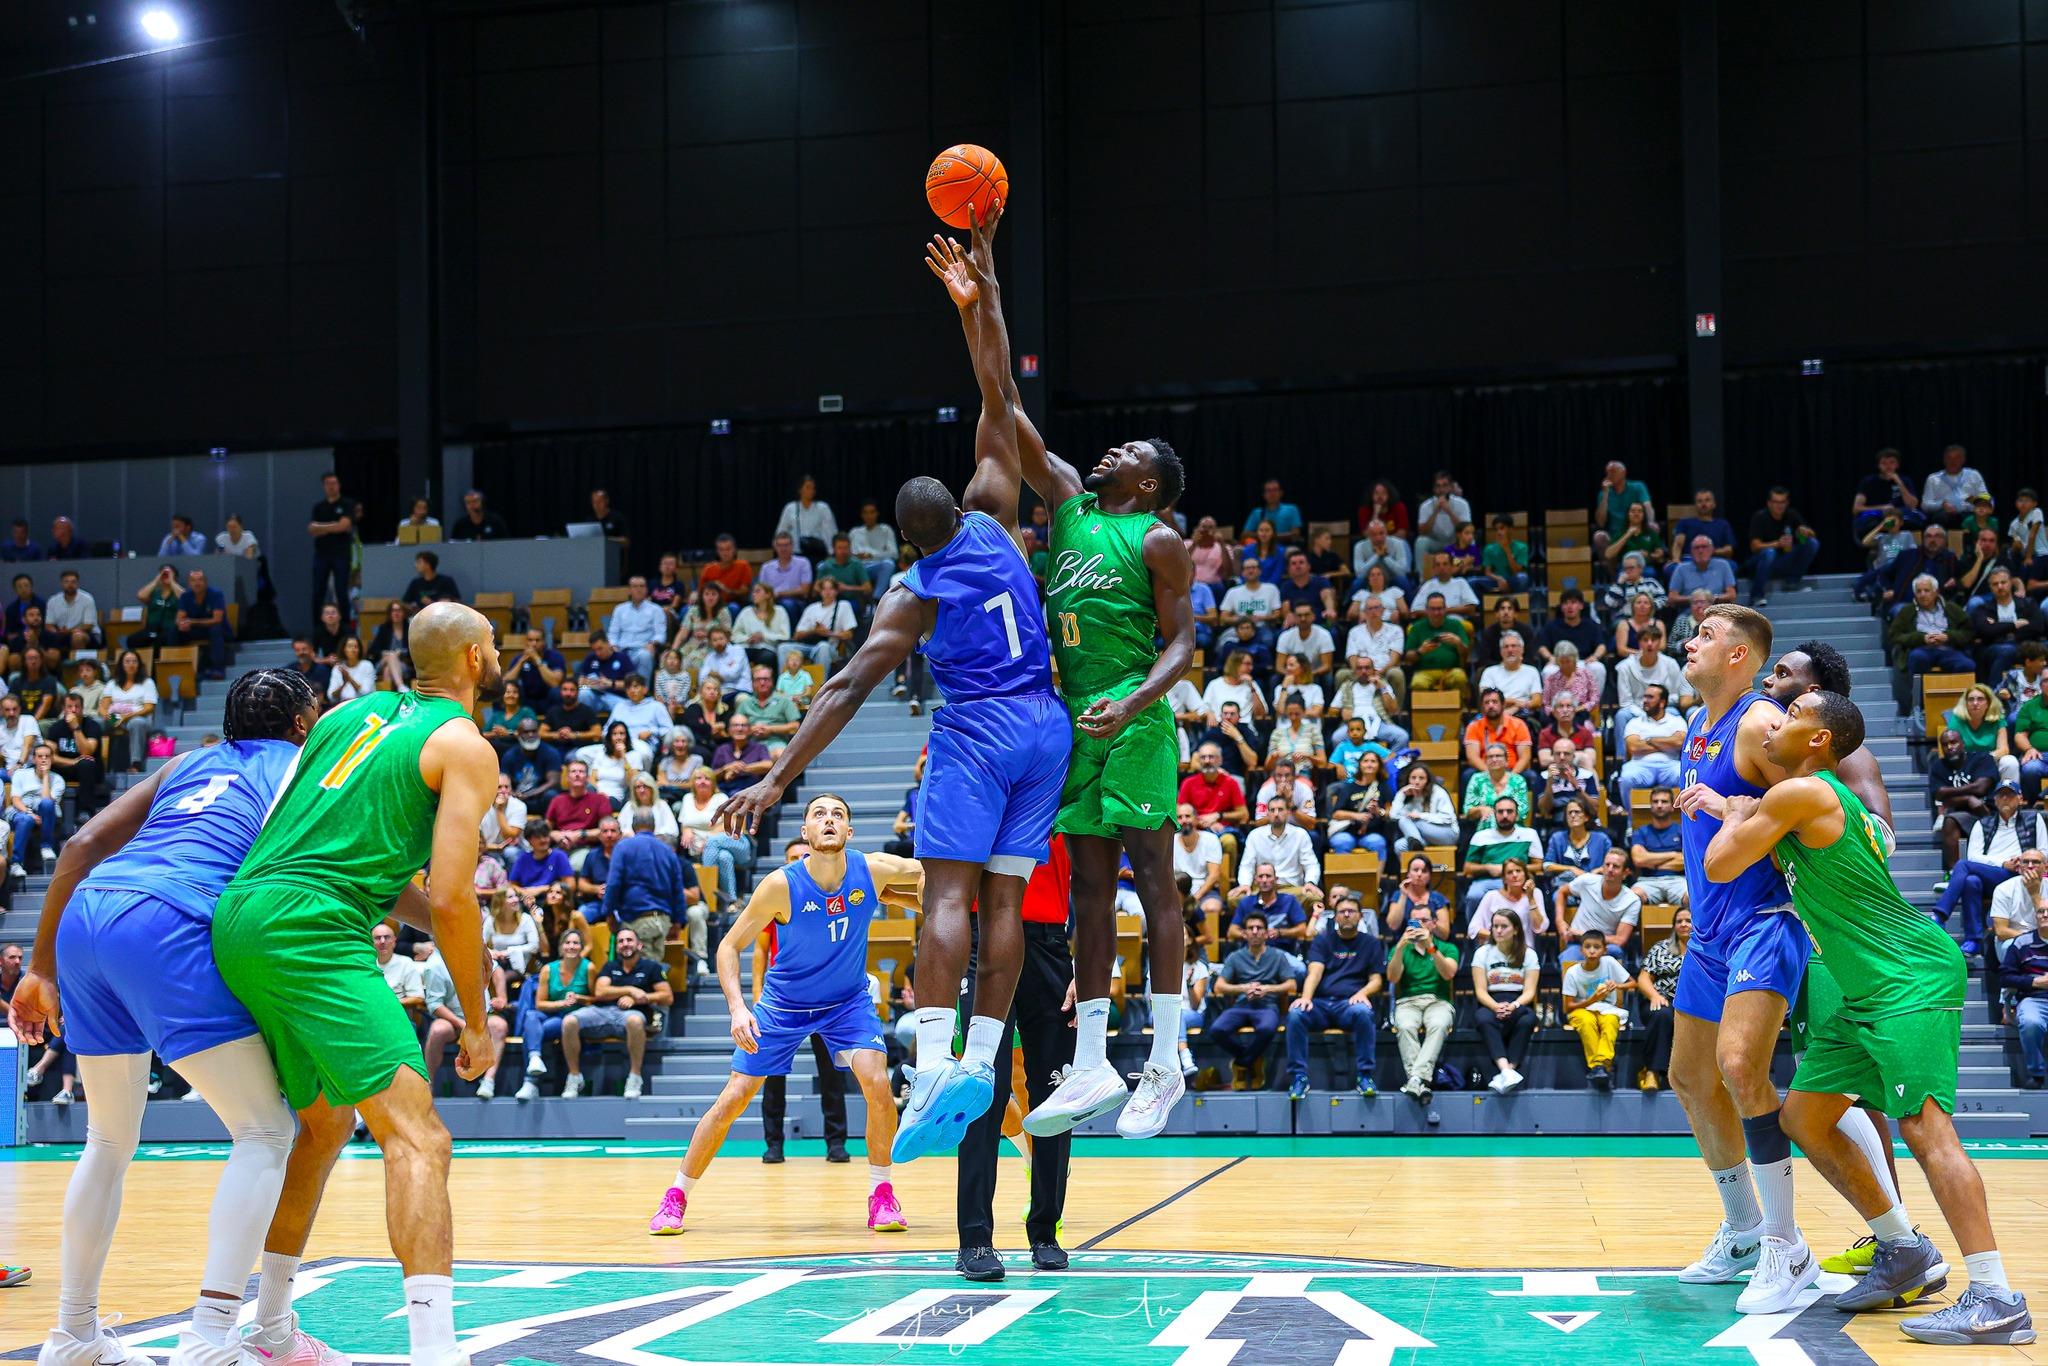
x: 1745, y: 976
x: 1074, y: 570
x: 835, y: 905
x: 810, y: 905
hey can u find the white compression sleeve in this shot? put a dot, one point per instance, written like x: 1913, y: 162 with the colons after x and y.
x: 116, y: 1087
x: 238, y: 1081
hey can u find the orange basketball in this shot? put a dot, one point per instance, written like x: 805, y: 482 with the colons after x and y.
x: 963, y: 180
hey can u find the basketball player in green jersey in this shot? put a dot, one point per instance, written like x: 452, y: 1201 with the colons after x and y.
x: 1119, y: 580
x: 384, y: 784
x: 1896, y: 1036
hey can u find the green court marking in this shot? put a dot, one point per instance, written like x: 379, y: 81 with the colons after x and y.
x: 1220, y: 1145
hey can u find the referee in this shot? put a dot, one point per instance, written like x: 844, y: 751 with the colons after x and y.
x: 1042, y: 1011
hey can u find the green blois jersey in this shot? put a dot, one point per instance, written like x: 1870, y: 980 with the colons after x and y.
x: 1886, y: 957
x: 357, y: 821
x: 1098, y: 599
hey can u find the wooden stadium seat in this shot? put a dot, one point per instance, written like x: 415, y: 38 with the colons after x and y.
x: 1939, y: 693
x: 573, y: 646
x: 1130, y: 946
x: 1358, y: 870
x: 1638, y: 807
x: 707, y: 883
x: 177, y: 661
x: 1568, y: 567
x: 1491, y: 603
x: 1436, y: 716
x: 370, y: 614
x: 497, y: 607
x: 598, y: 606
x: 548, y: 607
x: 234, y: 614
x: 1443, y: 860
x: 1600, y: 756
x: 891, y: 943
x: 1674, y: 513
x: 1441, y: 756
x: 1519, y: 519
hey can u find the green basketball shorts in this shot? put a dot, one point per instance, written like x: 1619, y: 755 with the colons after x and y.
x: 1820, y: 996
x: 1893, y: 1065
x: 303, y: 965
x: 1131, y: 779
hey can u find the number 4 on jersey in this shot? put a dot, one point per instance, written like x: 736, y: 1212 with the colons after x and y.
x: 192, y: 803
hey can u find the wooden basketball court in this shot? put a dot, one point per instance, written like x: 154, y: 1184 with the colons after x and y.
x: 1324, y: 1252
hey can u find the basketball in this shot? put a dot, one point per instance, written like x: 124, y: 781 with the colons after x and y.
x: 964, y: 179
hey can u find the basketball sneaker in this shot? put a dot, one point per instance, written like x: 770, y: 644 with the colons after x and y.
x: 14, y: 1275
x: 1151, y: 1104
x: 884, y: 1214
x: 1991, y: 1317
x: 668, y: 1220
x: 291, y: 1348
x: 1899, y: 1274
x: 1853, y: 1260
x: 1732, y: 1252
x: 1077, y: 1097
x: 1784, y: 1269
x: 944, y: 1100
x: 62, y: 1349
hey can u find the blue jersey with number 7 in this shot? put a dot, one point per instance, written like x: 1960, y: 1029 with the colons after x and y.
x: 205, y: 815
x: 989, y: 636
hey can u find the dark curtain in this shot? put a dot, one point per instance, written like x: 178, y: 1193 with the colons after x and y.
x: 1818, y: 435
x: 368, y: 470
x: 1520, y: 447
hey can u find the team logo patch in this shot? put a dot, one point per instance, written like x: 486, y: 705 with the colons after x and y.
x: 835, y: 905
x: 1714, y: 750
x: 856, y: 897
x: 1699, y: 748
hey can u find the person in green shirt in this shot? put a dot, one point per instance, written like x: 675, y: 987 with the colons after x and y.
x: 1504, y: 562
x: 502, y: 717
x: 1979, y: 717
x: 1438, y: 646
x: 1420, y: 972
x: 774, y: 714
x: 851, y: 574
x: 2030, y: 738
x: 1982, y: 517
x: 1616, y: 495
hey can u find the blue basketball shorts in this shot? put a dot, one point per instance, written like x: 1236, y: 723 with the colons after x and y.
x: 138, y: 975
x: 992, y: 781
x: 1768, y: 953
x: 848, y: 1027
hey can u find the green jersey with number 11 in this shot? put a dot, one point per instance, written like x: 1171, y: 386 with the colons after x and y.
x: 1098, y: 598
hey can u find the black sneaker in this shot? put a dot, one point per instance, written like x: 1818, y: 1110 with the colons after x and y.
x: 1048, y: 1257
x: 836, y: 1154
x: 979, y: 1263
x: 1599, y: 1079
x: 772, y: 1156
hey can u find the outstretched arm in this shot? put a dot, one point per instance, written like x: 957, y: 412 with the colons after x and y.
x: 899, y: 622
x: 1751, y: 828
x: 970, y: 281
x: 1172, y: 571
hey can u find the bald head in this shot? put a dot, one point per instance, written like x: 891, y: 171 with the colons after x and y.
x: 440, y: 639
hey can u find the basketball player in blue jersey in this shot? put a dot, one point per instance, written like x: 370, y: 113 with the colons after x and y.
x: 821, y: 905
x: 1742, y: 970
x: 998, y: 753
x: 126, y: 940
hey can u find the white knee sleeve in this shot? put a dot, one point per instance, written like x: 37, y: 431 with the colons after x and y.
x: 238, y: 1081
x: 117, y: 1087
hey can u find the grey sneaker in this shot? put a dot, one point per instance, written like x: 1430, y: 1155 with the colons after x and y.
x: 1899, y: 1274
x: 1991, y: 1317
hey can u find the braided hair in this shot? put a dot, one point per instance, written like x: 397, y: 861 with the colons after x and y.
x: 262, y: 705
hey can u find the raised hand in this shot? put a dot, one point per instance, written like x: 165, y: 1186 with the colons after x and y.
x: 945, y: 259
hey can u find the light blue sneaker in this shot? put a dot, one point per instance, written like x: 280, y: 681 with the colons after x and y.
x: 943, y: 1102
x: 1991, y: 1317
x: 1899, y: 1274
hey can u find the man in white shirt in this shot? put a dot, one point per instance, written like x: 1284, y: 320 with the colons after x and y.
x: 1380, y: 641
x: 826, y: 626
x: 1287, y: 847
x: 1252, y: 600
x: 1945, y: 497
x: 1458, y: 595
x: 1633, y: 676
x: 1651, y: 743
x: 1304, y: 637
x: 637, y: 627
x: 1287, y: 783
x: 874, y: 545
x: 34, y: 795
x: 646, y: 718
x: 725, y: 661
x: 74, y: 610
x: 2018, y: 904
x: 1381, y: 547
x: 1198, y: 857
x: 18, y: 733
x: 1441, y: 514
x: 1990, y: 858
x: 1521, y: 686
x: 1605, y: 903
x: 404, y: 976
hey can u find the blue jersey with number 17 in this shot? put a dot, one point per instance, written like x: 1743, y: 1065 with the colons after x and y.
x: 989, y: 636
x: 206, y: 813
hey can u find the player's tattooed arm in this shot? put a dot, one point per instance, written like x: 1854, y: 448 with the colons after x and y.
x: 1172, y: 571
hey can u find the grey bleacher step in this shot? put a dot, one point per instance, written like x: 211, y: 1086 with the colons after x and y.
x: 652, y: 1128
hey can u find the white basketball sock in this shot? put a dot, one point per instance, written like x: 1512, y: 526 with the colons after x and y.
x: 984, y: 1036
x: 934, y: 1037
x: 1987, y: 1269
x: 1165, y: 1030
x: 274, y: 1294
x: 1091, y: 1033
x: 1738, y: 1196
x: 430, y: 1317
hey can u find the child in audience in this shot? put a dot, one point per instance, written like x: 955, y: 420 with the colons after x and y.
x: 1593, y: 987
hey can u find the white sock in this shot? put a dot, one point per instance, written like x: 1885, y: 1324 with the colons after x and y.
x: 119, y: 1085
x: 877, y: 1176
x: 686, y: 1184
x: 934, y: 1036
x: 214, y: 1319
x: 1987, y: 1269
x: 430, y: 1317
x: 984, y: 1036
x: 274, y: 1293
x: 1860, y: 1129
x: 1091, y: 1033
x: 1165, y: 1030
x: 238, y: 1081
x: 1738, y: 1196
x: 1774, y: 1194
x: 1892, y: 1226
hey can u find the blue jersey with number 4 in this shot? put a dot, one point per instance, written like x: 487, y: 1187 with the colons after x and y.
x: 989, y: 637
x: 205, y: 815
x: 821, y: 951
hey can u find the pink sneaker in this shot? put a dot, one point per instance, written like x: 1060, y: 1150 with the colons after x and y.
x: 668, y: 1220
x: 300, y: 1349
x: 884, y: 1214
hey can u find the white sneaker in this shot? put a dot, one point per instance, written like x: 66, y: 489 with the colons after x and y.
x: 573, y: 1086
x: 634, y: 1086
x: 536, y: 1065
x: 1151, y: 1104
x: 1077, y: 1098
x: 191, y: 1095
x: 63, y: 1097
x: 17, y: 870
x: 1187, y: 1062
x: 49, y: 854
x: 1732, y: 1252
x: 488, y: 1087
x: 527, y: 1092
x: 62, y: 1349
x: 1785, y: 1268
x: 193, y: 1350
